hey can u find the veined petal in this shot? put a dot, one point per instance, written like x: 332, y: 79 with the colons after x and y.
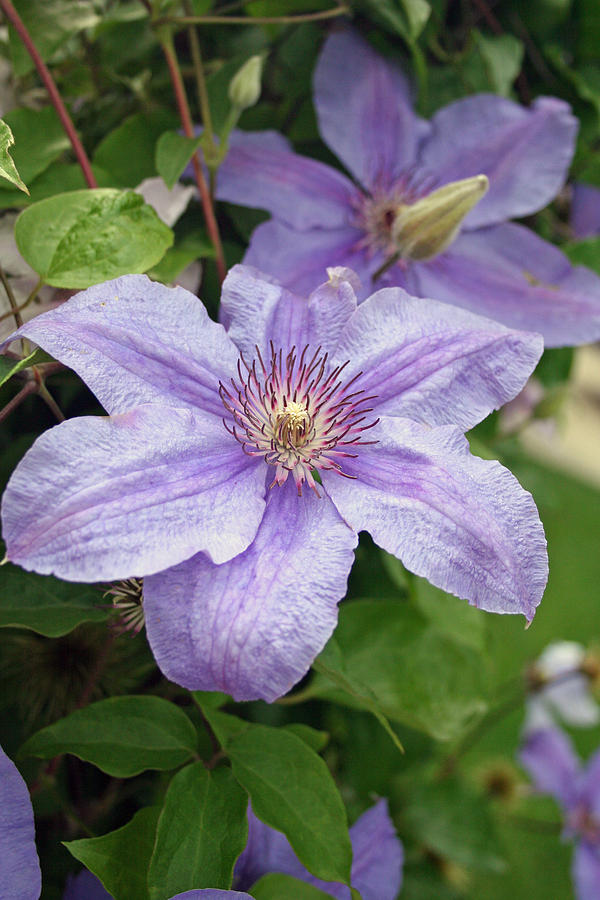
x: 525, y: 153
x: 252, y: 626
x: 301, y: 191
x: 135, y: 341
x: 510, y: 274
x: 96, y: 499
x: 462, y: 522
x: 549, y: 758
x: 585, y: 210
x: 433, y: 363
x: 21, y: 876
x: 586, y: 870
x: 364, y: 110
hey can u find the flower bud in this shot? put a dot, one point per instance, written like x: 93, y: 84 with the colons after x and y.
x: 244, y: 87
x: 423, y: 229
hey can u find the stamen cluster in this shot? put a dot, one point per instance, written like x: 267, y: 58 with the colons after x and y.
x: 297, y: 413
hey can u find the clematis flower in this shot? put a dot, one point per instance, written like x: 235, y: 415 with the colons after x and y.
x: 585, y: 210
x: 21, y: 877
x: 418, y: 202
x: 560, y: 689
x: 552, y: 763
x: 239, y: 461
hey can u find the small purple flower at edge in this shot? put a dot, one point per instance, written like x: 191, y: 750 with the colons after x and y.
x: 20, y: 867
x: 203, y: 478
x: 401, y: 164
x: 549, y: 757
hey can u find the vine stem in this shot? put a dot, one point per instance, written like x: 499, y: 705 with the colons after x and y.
x: 13, y: 16
x: 15, y: 310
x: 255, y: 20
x: 186, y: 121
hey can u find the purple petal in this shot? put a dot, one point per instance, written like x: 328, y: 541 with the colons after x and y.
x: 510, y: 274
x: 585, y: 210
x: 97, y: 499
x: 464, y: 523
x: 257, y: 311
x: 135, y: 341
x: 364, y: 110
x: 549, y: 758
x: 301, y: 191
x: 21, y: 877
x: 590, y: 786
x: 85, y: 886
x: 252, y: 626
x: 434, y: 363
x: 211, y: 894
x: 525, y: 153
x: 586, y: 871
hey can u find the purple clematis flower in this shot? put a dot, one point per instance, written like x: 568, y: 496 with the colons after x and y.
x: 203, y: 479
x: 20, y: 867
x: 478, y: 260
x: 550, y: 759
x: 585, y: 210
x: 86, y: 886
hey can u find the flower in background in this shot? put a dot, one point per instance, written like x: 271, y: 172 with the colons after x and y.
x: 585, y: 210
x: 549, y: 758
x: 560, y: 689
x: 86, y: 886
x: 21, y: 876
x: 413, y: 194
x: 239, y: 462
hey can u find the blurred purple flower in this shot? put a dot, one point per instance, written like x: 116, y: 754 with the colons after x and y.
x: 241, y: 583
x: 585, y: 210
x: 322, y: 218
x: 21, y: 877
x: 561, y: 689
x: 550, y: 759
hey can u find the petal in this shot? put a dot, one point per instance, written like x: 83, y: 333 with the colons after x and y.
x: 572, y: 702
x: 21, y: 877
x: 258, y: 312
x: 300, y: 191
x: 525, y: 153
x: 364, y: 110
x: 169, y: 204
x: 85, y: 886
x: 464, y: 523
x: 97, y: 499
x: 590, y: 788
x: 585, y: 210
x: 586, y: 870
x: 252, y: 627
x: 549, y: 758
x: 510, y: 274
x: 433, y: 363
x: 135, y: 341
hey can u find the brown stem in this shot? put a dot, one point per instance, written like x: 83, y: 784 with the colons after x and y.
x: 255, y: 20
x: 186, y: 121
x: 14, y: 306
x: 13, y: 16
x: 30, y: 388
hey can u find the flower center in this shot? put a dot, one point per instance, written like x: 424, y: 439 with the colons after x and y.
x: 297, y: 413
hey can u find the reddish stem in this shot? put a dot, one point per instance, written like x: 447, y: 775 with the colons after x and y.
x: 30, y: 388
x: 186, y: 121
x: 13, y: 16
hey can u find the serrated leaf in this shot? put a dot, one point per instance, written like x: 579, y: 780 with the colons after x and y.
x: 285, y: 887
x: 81, y: 238
x: 120, y: 859
x: 173, y: 152
x: 123, y: 736
x: 8, y: 169
x: 202, y: 830
x: 292, y: 790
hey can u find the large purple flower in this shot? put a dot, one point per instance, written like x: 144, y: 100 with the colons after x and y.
x: 320, y: 217
x: 203, y: 479
x: 550, y: 759
x: 21, y: 878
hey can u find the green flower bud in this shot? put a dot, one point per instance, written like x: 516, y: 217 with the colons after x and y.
x: 423, y: 229
x: 244, y: 87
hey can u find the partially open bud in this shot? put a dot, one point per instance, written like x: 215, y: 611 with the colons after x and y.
x: 423, y: 229
x: 244, y: 87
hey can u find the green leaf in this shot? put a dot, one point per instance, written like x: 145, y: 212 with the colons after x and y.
x: 284, y: 887
x: 123, y: 736
x: 173, y: 152
x: 10, y: 367
x: 404, y: 17
x: 44, y: 604
x: 585, y: 253
x: 418, y: 675
x: 193, y: 246
x: 39, y: 140
x: 128, y: 153
x: 50, y: 23
x: 120, y: 859
x: 502, y: 57
x: 202, y: 830
x: 316, y: 740
x: 81, y: 238
x: 292, y: 790
x: 8, y: 169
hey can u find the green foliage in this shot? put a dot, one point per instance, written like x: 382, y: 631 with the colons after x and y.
x: 284, y: 887
x: 84, y: 237
x: 8, y: 169
x: 50, y: 23
x: 122, y: 736
x: 10, y: 366
x: 129, y: 153
x: 39, y: 140
x: 202, y: 830
x: 173, y: 153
